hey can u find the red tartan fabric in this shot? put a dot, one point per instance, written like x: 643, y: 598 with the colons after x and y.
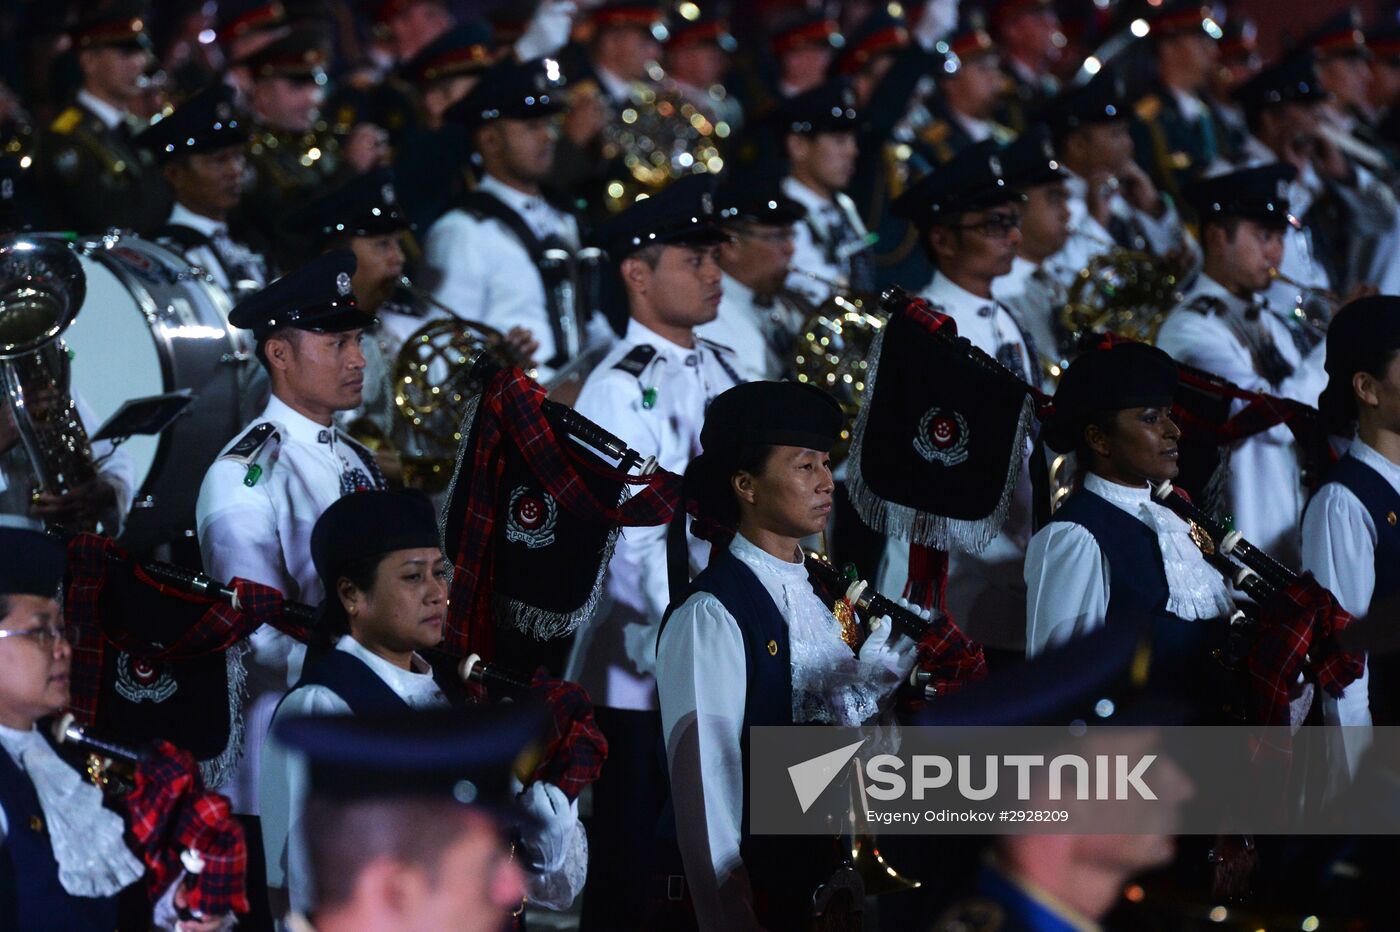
x: 221, y: 625
x: 170, y: 811
x: 951, y: 656
x: 576, y: 750
x: 1299, y: 635
x: 509, y: 412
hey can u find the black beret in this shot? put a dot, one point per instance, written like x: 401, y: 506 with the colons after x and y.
x: 464, y: 756
x: 789, y: 414
x: 511, y: 90
x: 1102, y: 100
x: 974, y: 179
x: 826, y: 108
x: 682, y: 214
x: 467, y: 48
x: 205, y: 122
x: 1030, y: 160
x: 1259, y: 194
x: 368, y: 524
x: 31, y: 563
x: 756, y: 199
x: 316, y: 297
x: 366, y: 205
x: 1126, y: 375
x: 1290, y: 80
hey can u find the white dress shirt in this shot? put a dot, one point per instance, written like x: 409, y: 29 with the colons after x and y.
x: 284, y: 784
x: 209, y: 258
x: 1089, y: 238
x: 701, y: 674
x: 485, y: 274
x: 614, y: 653
x: 111, y: 116
x: 1264, y: 488
x: 262, y: 533
x: 986, y: 593
x: 809, y: 252
x: 1034, y: 294
x: 17, y: 482
x: 1067, y: 575
x: 283, y: 780
x: 1339, y: 548
x: 739, y: 326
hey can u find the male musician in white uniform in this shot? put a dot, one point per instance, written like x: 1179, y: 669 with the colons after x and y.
x: 372, y: 626
x: 261, y: 497
x: 1226, y: 327
x: 651, y: 390
x: 200, y: 150
x: 968, y: 213
x: 1113, y: 203
x: 757, y: 320
x: 492, y: 255
x: 1032, y: 290
x: 818, y: 130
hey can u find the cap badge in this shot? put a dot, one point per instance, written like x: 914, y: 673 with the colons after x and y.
x: 707, y: 204
x: 222, y: 110
x: 387, y: 193
x: 342, y: 283
x: 994, y: 164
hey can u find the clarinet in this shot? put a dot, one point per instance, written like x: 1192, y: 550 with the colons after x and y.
x: 66, y: 730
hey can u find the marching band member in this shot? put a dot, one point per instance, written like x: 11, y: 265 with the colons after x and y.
x: 1112, y: 201
x: 1110, y: 552
x: 63, y: 857
x: 200, y: 151
x: 698, y: 54
x: 1026, y: 32
x: 385, y: 579
x: 1224, y: 326
x: 757, y: 318
x: 489, y: 253
x: 652, y: 388
x: 394, y: 838
x: 831, y: 250
x: 754, y: 644
x: 91, y: 176
x: 1348, y: 537
x: 1175, y: 133
x: 969, y: 217
x: 966, y: 100
x: 261, y: 497
x: 1032, y: 290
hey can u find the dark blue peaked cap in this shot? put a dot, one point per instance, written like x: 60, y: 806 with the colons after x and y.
x: 366, y: 205
x: 511, y: 90
x: 206, y: 122
x: 316, y: 297
x: 464, y: 756
x: 683, y: 214
x: 31, y: 563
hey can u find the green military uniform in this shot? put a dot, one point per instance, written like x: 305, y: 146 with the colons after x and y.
x: 89, y: 175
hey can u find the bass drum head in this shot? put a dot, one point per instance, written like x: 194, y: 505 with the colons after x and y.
x: 147, y: 327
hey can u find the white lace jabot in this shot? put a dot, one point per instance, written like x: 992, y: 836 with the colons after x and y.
x: 1195, y: 590
x: 93, y: 859
x: 829, y: 685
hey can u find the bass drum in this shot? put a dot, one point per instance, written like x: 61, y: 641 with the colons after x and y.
x: 152, y: 324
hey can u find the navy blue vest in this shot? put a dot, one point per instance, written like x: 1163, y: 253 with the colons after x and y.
x: 1137, y: 592
x: 31, y: 897
x: 351, y: 679
x: 1382, y: 503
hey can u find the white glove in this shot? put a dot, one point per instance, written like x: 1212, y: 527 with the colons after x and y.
x: 547, y: 843
x: 888, y: 650
x: 937, y: 20
x: 548, y: 30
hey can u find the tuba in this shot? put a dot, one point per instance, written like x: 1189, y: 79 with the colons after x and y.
x: 42, y: 286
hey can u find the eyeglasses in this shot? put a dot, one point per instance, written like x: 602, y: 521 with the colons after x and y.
x: 46, y: 637
x: 996, y: 226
